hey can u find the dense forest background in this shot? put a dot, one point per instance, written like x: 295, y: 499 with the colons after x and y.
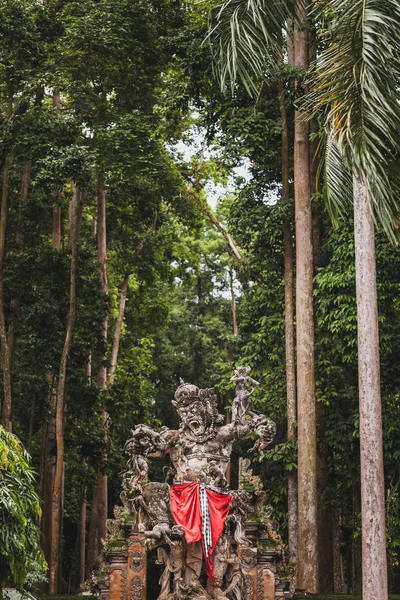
x: 118, y: 278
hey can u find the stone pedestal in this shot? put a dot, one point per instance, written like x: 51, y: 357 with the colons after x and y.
x: 117, y: 574
x: 248, y: 564
x: 137, y: 568
x: 127, y: 571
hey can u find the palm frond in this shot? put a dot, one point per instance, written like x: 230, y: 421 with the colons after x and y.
x: 338, y: 181
x: 246, y: 36
x: 356, y: 84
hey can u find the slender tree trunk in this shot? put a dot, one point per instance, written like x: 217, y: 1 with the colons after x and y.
x: 118, y: 329
x: 50, y: 428
x: 5, y: 351
x: 289, y: 335
x: 230, y: 357
x: 102, y: 371
x: 307, y: 484
x: 325, y: 558
x: 49, y: 434
x: 100, y: 500
x: 56, y: 234
x: 82, y: 532
x: 374, y: 562
x: 60, y: 408
x: 93, y: 550
x: 336, y: 554
x: 16, y: 302
x: 233, y: 304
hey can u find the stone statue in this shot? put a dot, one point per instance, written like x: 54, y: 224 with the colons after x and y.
x: 197, y: 519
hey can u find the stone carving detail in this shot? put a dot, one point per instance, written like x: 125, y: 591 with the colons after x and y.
x: 260, y: 584
x: 261, y: 510
x: 248, y: 559
x: 137, y: 560
x: 136, y: 588
x: 199, y: 451
x: 248, y: 588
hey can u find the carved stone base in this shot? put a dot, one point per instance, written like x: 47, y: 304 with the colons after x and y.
x: 137, y: 568
x: 118, y: 575
x: 127, y: 572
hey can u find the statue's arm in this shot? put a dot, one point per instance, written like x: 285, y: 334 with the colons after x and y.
x: 238, y: 431
x: 235, y: 431
x: 160, y: 441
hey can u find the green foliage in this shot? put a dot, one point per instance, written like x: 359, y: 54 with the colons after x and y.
x: 360, y: 107
x: 21, y: 558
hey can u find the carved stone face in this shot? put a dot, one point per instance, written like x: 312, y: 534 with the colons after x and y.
x: 195, y: 416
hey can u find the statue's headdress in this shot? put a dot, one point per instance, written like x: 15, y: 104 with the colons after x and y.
x: 185, y: 394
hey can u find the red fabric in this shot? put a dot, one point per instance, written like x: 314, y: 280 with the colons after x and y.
x: 218, y: 506
x: 185, y: 508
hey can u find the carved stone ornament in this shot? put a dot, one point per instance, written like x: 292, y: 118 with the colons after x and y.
x: 248, y: 559
x: 137, y: 560
x: 248, y: 588
x: 136, y: 588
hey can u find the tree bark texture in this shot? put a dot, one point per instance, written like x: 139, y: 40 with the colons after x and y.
x: 5, y: 350
x: 336, y: 555
x: 60, y: 408
x: 289, y: 335
x: 374, y: 562
x: 307, y: 483
x: 82, y: 532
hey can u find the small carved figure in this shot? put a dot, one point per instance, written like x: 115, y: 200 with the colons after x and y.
x: 138, y: 468
x: 242, y: 405
x: 155, y: 504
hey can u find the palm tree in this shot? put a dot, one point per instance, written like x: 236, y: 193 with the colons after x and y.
x: 356, y: 84
x: 247, y: 37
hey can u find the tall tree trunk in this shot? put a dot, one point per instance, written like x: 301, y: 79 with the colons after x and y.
x: 4, y: 344
x: 307, y: 483
x: 99, y: 510
x: 49, y: 431
x: 230, y: 357
x: 16, y: 302
x: 374, y: 562
x: 233, y: 303
x: 49, y: 434
x: 60, y: 408
x: 289, y: 335
x: 82, y: 532
x: 336, y: 554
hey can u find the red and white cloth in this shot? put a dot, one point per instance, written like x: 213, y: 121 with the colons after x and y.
x: 201, y: 512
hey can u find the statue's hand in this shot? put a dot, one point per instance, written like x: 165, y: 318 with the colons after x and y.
x: 144, y: 440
